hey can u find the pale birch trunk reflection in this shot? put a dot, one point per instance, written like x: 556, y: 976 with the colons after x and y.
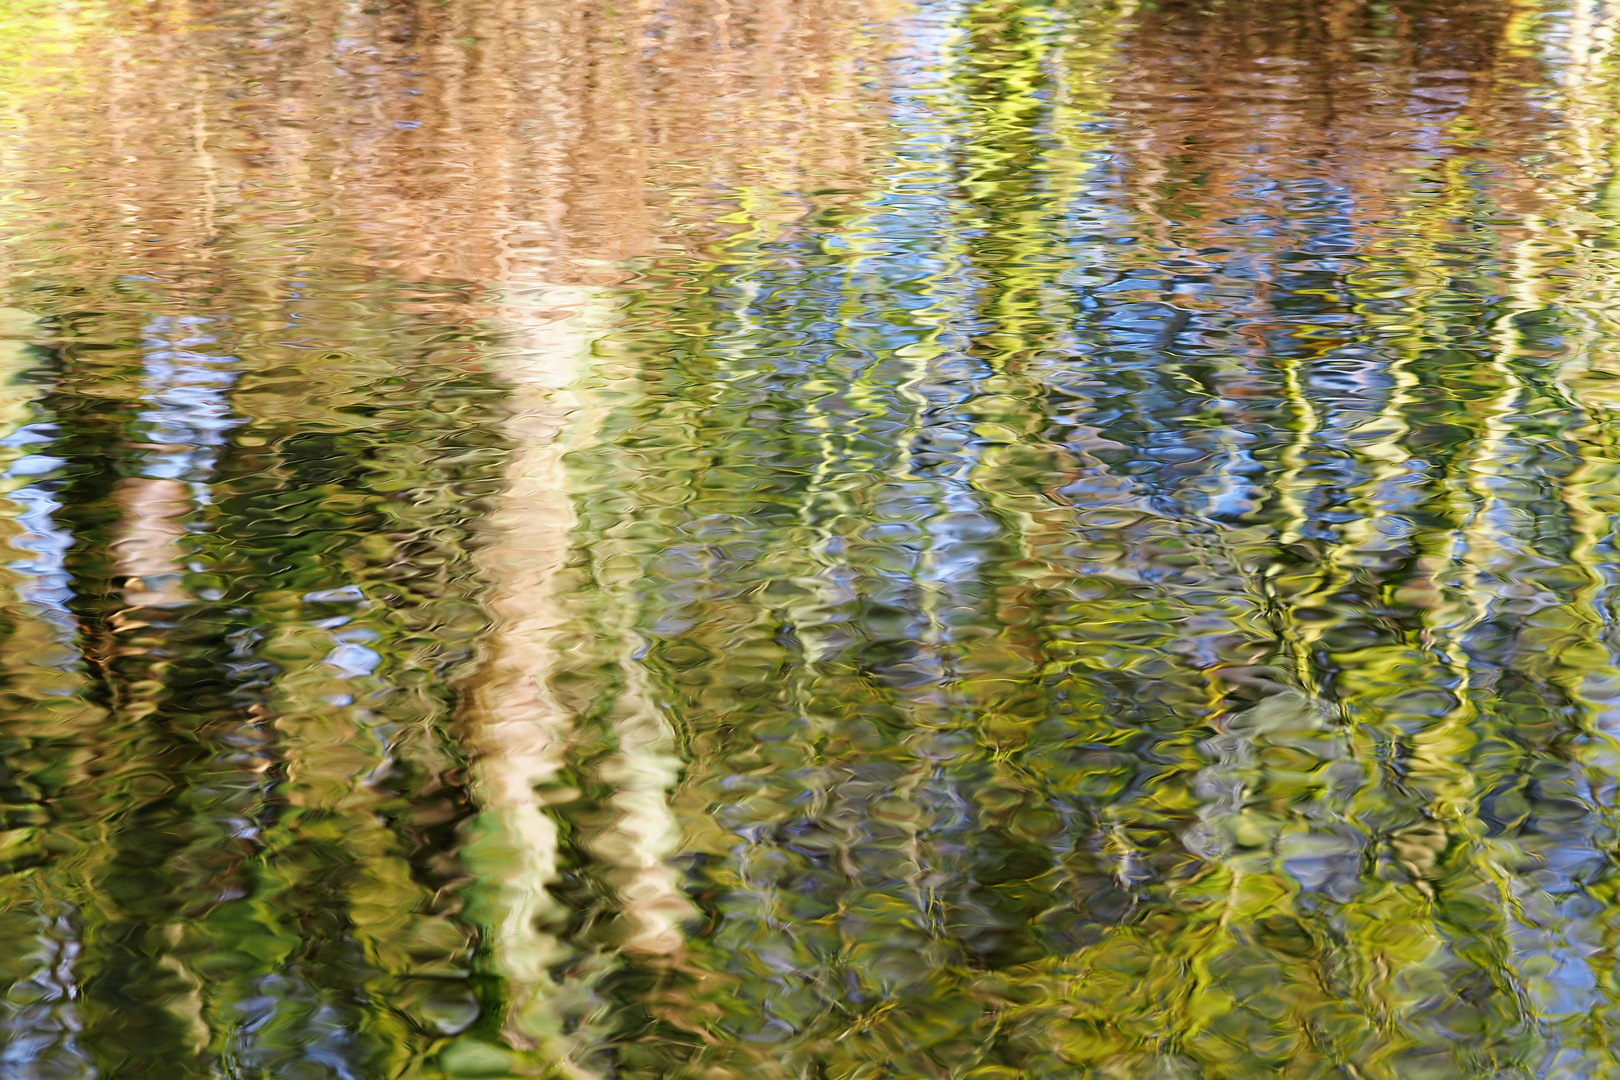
x: 146, y: 553
x: 519, y: 732
x: 517, y: 729
x: 642, y: 833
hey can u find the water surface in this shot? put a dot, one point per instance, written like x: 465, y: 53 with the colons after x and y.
x: 816, y: 539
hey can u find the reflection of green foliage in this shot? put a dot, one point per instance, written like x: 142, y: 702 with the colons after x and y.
x: 1011, y: 852
x: 258, y: 899
x: 1094, y: 652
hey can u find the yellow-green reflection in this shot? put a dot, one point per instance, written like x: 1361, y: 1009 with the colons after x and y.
x: 837, y: 539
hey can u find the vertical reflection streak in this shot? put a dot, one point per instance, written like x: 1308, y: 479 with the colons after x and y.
x: 40, y: 1017
x: 1119, y: 635
x: 640, y: 832
x: 519, y: 731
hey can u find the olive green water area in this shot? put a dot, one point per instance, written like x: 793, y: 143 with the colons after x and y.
x: 816, y: 539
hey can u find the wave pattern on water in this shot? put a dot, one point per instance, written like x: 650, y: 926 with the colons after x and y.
x: 831, y: 539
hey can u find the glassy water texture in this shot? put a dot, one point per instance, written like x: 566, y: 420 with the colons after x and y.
x: 822, y: 539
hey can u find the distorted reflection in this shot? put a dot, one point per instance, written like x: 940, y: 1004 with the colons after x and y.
x: 844, y: 538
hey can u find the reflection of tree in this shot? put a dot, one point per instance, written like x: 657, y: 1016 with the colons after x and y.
x: 276, y: 684
x: 44, y: 724
x: 1113, y: 512
x: 519, y: 732
x: 1234, y: 859
x: 1417, y: 531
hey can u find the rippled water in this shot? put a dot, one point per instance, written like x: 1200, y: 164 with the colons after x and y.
x: 828, y: 539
